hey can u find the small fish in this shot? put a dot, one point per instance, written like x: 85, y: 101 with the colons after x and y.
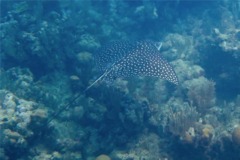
x: 125, y: 59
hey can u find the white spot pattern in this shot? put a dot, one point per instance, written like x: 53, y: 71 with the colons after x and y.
x: 141, y: 58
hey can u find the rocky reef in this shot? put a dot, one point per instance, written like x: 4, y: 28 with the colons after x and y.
x: 20, y: 121
x: 47, y: 58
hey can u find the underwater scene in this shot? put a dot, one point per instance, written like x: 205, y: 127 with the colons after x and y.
x: 119, y: 80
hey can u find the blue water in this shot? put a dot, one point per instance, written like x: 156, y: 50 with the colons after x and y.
x: 48, y: 52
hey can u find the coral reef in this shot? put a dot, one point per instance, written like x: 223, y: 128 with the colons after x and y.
x: 17, y: 117
x: 201, y: 93
x: 147, y: 146
x: 103, y: 157
x: 229, y: 42
x: 236, y: 135
x: 47, y: 58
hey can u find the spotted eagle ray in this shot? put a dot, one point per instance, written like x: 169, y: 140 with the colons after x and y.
x: 124, y: 59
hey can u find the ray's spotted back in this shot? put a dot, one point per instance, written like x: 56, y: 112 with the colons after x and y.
x: 122, y: 59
